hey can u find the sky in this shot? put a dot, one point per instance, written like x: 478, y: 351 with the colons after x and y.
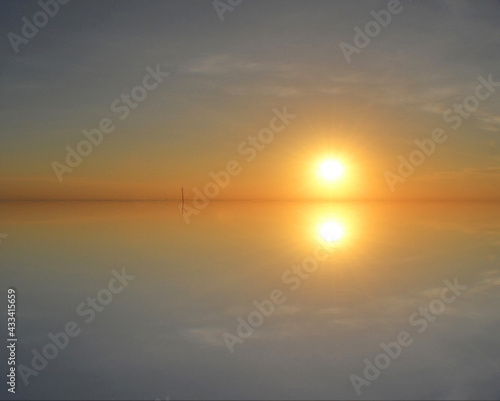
x: 229, y: 75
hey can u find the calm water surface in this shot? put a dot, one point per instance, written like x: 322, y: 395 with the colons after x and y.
x: 162, y: 336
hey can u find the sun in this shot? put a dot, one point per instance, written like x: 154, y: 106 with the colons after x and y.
x: 331, y: 170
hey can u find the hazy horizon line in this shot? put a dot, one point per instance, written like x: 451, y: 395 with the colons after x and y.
x: 262, y: 200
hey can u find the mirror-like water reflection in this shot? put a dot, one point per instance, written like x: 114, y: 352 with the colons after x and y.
x: 163, y: 335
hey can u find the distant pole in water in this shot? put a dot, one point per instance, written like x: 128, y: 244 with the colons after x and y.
x: 182, y: 200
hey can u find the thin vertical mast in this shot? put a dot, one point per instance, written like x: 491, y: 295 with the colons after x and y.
x: 182, y: 199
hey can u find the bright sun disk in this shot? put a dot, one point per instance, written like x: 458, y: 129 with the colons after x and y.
x: 331, y: 170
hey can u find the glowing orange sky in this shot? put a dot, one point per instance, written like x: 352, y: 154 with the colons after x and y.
x: 224, y: 88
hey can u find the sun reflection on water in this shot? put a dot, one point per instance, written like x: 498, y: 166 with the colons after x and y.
x: 331, y: 231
